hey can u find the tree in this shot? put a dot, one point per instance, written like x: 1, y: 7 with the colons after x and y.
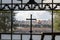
x: 57, y: 21
x: 5, y: 21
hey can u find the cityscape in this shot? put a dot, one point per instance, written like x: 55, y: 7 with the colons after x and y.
x: 39, y: 25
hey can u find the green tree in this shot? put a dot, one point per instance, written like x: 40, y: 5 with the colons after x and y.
x: 5, y: 21
x: 56, y: 21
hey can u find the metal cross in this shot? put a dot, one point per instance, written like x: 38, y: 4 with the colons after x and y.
x: 31, y: 26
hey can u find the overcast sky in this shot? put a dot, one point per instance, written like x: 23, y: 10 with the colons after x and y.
x: 42, y: 15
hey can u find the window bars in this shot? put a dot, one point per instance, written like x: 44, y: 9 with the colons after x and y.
x: 30, y: 5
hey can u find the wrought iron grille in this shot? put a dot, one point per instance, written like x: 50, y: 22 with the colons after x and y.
x: 30, y: 5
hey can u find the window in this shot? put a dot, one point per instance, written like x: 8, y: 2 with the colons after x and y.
x: 29, y: 19
x: 42, y: 24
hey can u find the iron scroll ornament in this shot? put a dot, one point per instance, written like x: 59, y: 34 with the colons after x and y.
x: 30, y: 5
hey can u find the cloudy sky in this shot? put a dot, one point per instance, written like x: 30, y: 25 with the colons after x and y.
x: 42, y: 15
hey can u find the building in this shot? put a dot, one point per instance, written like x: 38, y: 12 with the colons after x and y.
x: 37, y: 23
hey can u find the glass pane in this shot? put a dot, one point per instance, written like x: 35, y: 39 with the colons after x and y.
x: 16, y: 1
x: 36, y: 37
x: 6, y: 37
x: 5, y: 21
x: 47, y: 1
x: 6, y: 1
x: 40, y: 25
x: 16, y: 37
x: 56, y: 20
x: 0, y: 1
x: 58, y: 1
x: 48, y: 37
x: 57, y: 37
x: 25, y: 37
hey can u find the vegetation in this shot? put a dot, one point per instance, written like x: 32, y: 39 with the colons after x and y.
x: 57, y: 21
x: 5, y: 21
